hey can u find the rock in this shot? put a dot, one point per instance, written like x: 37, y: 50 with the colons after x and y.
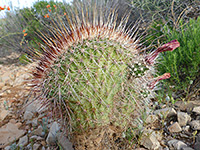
x: 13, y: 121
x: 36, y: 146
x: 3, y: 114
x: 34, y: 122
x: 23, y: 141
x: 187, y: 106
x: 196, y: 146
x: 198, y: 138
x: 181, y: 105
x: 197, y: 118
x: 151, y: 119
x: 64, y: 142
x: 183, y: 118
x: 184, y: 136
x: 165, y: 112
x: 40, y: 138
x: 28, y: 115
x: 197, y: 142
x: 195, y: 124
x: 187, y: 148
x: 7, y: 148
x: 1, y: 85
x: 29, y: 146
x: 29, y: 131
x: 176, y: 144
x: 34, y: 137
x: 8, y: 91
x: 43, y: 143
x: 149, y: 140
x: 158, y: 135
x: 5, y: 77
x: 38, y: 131
x: 166, y: 148
x: 175, y: 127
x: 33, y: 107
x: 51, y: 138
x: 186, y: 128
x: 9, y: 133
x: 43, y: 148
x: 196, y: 110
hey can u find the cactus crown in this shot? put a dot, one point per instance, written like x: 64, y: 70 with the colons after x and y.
x: 91, y: 71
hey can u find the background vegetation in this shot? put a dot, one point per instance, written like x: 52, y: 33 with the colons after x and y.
x: 161, y: 21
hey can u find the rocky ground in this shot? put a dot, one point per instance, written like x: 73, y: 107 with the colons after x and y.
x: 169, y: 127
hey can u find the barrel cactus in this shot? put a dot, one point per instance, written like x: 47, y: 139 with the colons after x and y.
x: 92, y: 71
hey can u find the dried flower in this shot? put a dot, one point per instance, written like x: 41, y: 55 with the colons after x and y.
x: 166, y: 47
x: 169, y: 46
x: 162, y: 77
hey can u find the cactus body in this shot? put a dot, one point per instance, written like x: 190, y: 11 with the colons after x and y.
x: 92, y: 73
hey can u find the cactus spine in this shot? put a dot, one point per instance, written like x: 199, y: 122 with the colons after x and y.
x: 91, y: 71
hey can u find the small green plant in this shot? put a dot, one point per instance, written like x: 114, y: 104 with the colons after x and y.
x: 44, y: 124
x: 6, y: 105
x: 14, y: 146
x: 32, y: 143
x: 194, y: 134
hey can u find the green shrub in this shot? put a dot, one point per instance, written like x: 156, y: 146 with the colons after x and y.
x: 19, y: 26
x: 184, y: 62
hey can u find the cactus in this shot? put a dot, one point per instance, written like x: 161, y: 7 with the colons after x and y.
x: 93, y: 72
